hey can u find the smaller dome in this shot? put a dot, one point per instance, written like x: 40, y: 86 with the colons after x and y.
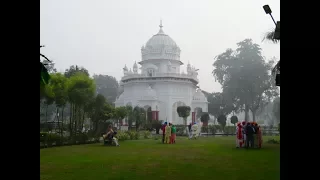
x: 199, y: 96
x: 135, y: 65
x: 150, y: 94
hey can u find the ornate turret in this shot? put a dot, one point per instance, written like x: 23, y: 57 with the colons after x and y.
x: 189, y: 68
x: 135, y: 68
x: 125, y: 70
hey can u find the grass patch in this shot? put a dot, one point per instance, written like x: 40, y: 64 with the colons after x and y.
x: 208, y: 158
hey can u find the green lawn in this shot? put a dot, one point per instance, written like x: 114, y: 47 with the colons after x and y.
x: 206, y: 158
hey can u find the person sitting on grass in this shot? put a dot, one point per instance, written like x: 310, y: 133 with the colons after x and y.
x: 110, y: 135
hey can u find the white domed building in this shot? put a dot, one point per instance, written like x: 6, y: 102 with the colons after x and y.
x: 160, y: 86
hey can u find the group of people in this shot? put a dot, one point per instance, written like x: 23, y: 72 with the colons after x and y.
x: 248, y: 134
x: 168, y: 133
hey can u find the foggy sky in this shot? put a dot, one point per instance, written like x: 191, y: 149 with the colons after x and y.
x: 104, y: 35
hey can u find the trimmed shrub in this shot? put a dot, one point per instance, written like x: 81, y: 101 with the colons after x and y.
x: 146, y: 134
x: 122, y: 136
x: 133, y: 135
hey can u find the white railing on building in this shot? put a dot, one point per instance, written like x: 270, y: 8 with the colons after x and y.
x: 159, y: 75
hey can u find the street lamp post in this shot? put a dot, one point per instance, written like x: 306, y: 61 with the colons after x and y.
x: 276, y: 34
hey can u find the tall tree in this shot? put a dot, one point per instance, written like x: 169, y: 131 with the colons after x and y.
x: 139, y: 116
x: 59, y: 85
x: 75, y: 69
x: 108, y: 86
x: 219, y: 105
x: 81, y: 90
x: 120, y: 114
x: 276, y: 109
x: 245, y: 76
x: 129, y: 116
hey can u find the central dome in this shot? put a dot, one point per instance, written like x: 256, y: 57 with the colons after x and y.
x: 160, y: 46
x: 161, y: 40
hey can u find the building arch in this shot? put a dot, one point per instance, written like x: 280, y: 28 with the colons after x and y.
x: 175, y: 116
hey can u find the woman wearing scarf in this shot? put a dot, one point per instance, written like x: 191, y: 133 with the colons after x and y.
x: 239, y: 136
x: 173, y: 134
x: 167, y: 134
x: 244, y: 136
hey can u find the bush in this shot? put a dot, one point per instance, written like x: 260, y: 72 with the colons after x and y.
x: 181, y: 130
x: 122, y: 136
x: 146, y: 134
x: 157, y: 125
x: 43, y: 136
x: 133, y: 135
x: 81, y: 137
x: 53, y: 138
x: 229, y: 129
x: 205, y: 129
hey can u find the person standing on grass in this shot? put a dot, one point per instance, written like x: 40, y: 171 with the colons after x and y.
x: 259, y: 137
x: 239, y: 135
x: 163, y: 128
x: 249, y: 133
x: 255, y: 135
x: 189, y: 130
x: 173, y: 134
x: 167, y: 134
x: 244, y: 135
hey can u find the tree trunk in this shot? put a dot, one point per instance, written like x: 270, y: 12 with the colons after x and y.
x: 246, y: 113
x: 83, y: 119
x: 62, y: 127
x: 57, y: 115
x: 46, y: 122
x: 185, y: 121
x: 253, y: 115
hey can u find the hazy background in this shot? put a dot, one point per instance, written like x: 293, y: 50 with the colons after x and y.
x: 104, y: 35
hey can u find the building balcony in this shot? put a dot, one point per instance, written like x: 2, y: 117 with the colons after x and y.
x: 159, y: 75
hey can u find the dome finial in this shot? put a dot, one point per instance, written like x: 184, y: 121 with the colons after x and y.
x: 160, y: 31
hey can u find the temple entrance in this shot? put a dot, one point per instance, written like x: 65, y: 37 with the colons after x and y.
x: 198, y: 113
x: 175, y: 116
x: 147, y: 108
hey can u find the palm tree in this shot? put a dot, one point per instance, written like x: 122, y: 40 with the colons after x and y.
x: 44, y: 75
x: 276, y: 68
x: 269, y: 36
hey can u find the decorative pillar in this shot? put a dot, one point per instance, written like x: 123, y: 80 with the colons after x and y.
x: 157, y: 115
x: 193, y: 117
x: 154, y: 115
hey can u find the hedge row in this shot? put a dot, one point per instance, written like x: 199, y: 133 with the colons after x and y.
x: 52, y: 139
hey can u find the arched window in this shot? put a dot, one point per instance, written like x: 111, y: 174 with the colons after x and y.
x: 150, y: 72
